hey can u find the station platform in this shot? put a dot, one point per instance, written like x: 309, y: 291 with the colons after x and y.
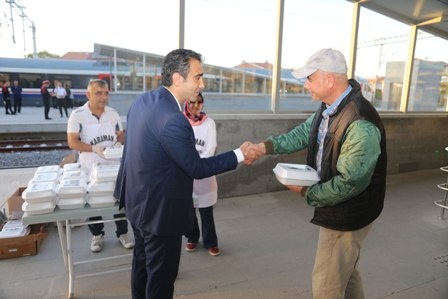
x: 268, y: 247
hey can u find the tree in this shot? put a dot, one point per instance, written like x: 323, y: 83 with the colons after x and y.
x: 43, y: 54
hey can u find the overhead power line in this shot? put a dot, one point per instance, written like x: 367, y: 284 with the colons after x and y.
x: 391, y: 40
x: 14, y: 6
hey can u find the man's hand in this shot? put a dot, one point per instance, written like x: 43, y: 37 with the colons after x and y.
x: 252, y: 152
x: 98, y: 149
x: 297, y: 189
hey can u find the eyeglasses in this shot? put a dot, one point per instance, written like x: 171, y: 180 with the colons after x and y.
x: 192, y: 103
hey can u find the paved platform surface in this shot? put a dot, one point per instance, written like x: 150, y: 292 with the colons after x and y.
x: 268, y: 248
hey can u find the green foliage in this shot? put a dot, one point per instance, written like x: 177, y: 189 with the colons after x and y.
x: 43, y: 54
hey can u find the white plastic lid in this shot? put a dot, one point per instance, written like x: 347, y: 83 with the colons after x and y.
x: 39, y: 190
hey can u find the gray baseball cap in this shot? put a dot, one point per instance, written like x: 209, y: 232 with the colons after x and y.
x: 327, y: 60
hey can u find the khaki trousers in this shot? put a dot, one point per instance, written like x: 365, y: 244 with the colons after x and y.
x: 335, y: 273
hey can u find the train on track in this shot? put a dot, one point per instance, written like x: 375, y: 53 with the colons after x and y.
x: 127, y: 75
x: 134, y: 73
x: 32, y: 72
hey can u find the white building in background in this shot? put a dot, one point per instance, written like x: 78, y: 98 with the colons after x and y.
x: 426, y: 86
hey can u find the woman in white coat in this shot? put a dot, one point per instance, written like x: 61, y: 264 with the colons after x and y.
x: 205, y: 191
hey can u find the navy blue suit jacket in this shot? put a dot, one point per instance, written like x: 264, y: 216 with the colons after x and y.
x: 160, y: 161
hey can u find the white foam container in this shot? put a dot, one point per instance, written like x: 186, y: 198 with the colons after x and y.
x: 38, y: 208
x: 71, y: 203
x: 101, y: 201
x: 113, y: 152
x: 97, y: 189
x: 296, y: 174
x: 14, y: 228
x: 71, y: 187
x: 40, y: 177
x: 102, y: 172
x: 73, y: 175
x: 73, y: 167
x: 49, y: 168
x: 39, y: 192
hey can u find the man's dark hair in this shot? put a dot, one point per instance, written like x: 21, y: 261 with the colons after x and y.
x: 177, y: 61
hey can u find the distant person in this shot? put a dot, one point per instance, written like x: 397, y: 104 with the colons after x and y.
x: 205, y: 191
x: 54, y: 100
x: 60, y: 94
x: 91, y: 128
x: 16, y: 90
x: 46, y: 98
x: 7, y: 97
x: 68, y: 97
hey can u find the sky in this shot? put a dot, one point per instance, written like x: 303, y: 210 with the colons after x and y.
x: 226, y: 32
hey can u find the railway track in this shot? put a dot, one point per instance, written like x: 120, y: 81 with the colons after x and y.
x: 8, y: 146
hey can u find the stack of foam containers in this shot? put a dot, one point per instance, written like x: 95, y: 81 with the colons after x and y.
x: 71, y: 190
x: 114, y: 152
x: 40, y: 194
x: 102, y: 184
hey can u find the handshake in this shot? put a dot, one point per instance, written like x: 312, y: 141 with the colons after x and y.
x: 252, y: 152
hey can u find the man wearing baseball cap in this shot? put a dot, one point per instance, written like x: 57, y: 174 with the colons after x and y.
x: 327, y: 60
x: 46, y: 97
x: 346, y: 144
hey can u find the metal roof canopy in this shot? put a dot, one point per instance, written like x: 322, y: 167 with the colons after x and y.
x: 126, y: 55
x: 121, y: 53
x: 429, y: 15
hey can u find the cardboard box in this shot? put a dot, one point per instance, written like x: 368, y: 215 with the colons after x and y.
x: 26, y: 245
x: 23, y: 246
x: 15, y: 202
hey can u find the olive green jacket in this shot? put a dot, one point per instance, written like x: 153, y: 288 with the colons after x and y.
x: 356, y: 164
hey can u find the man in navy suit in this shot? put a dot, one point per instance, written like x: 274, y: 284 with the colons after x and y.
x: 155, y: 181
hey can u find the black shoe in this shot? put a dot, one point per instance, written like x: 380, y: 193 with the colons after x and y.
x: 7, y: 112
x: 47, y: 117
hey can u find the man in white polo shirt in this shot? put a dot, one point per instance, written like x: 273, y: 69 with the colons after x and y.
x: 90, y: 129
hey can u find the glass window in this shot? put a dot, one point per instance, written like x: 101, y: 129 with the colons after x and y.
x: 429, y: 82
x: 382, y: 52
x: 308, y: 28
x: 30, y: 80
x: 79, y: 81
x: 238, y: 51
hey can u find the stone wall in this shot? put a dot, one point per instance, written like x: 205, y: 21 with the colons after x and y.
x: 414, y: 142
